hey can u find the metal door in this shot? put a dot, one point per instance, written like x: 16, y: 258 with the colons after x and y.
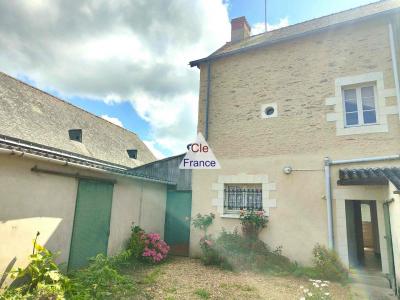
x: 91, y: 222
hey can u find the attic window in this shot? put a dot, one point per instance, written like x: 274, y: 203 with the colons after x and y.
x: 75, y: 135
x: 132, y: 153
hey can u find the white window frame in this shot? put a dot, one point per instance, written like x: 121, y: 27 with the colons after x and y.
x: 360, y: 110
x: 336, y: 113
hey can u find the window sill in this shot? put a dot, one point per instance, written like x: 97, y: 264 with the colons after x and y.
x: 230, y: 216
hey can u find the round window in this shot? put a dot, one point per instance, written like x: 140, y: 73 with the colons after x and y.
x: 269, y: 111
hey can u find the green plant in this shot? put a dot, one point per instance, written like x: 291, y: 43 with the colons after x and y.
x: 101, y: 280
x: 41, y: 279
x: 328, y: 265
x: 136, y: 243
x: 252, y: 222
x: 202, y: 222
x: 202, y: 293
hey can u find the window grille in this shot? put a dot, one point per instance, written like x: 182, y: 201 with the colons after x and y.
x: 237, y: 197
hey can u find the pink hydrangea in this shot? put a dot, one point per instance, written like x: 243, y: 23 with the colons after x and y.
x: 155, y: 249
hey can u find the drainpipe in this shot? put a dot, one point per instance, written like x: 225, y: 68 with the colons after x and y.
x: 328, y: 188
x: 328, y: 196
x: 207, y: 100
x: 394, y: 64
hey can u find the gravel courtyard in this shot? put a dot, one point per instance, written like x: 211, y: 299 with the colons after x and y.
x: 185, y: 278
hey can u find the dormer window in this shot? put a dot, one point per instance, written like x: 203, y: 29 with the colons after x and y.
x: 132, y: 153
x: 75, y: 135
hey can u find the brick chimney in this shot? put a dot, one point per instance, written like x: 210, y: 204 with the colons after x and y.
x: 240, y: 29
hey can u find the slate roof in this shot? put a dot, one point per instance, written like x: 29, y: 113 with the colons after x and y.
x: 31, y: 115
x: 166, y: 169
x: 370, y: 176
x: 307, y: 27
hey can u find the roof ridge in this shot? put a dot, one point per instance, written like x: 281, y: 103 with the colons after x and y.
x: 66, y: 102
x: 321, y: 17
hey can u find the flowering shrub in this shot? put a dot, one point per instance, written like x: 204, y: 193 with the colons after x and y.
x: 155, y: 249
x: 252, y: 222
x: 319, y: 290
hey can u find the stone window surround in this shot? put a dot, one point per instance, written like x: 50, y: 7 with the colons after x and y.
x: 266, y: 186
x: 382, y: 110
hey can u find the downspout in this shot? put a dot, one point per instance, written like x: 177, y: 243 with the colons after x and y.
x: 328, y: 196
x: 207, y: 99
x: 394, y: 65
x: 328, y: 188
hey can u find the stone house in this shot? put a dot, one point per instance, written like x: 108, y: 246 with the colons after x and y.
x: 67, y: 174
x: 308, y: 116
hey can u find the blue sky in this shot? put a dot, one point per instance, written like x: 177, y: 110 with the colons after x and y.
x: 128, y: 61
x: 295, y: 11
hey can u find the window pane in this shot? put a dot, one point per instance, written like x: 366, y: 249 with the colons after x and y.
x: 368, y: 98
x: 352, y: 118
x: 369, y: 117
x: 350, y: 100
x: 367, y: 92
x: 350, y: 106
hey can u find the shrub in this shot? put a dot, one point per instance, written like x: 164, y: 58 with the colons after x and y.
x: 101, y: 280
x: 136, y: 242
x: 155, y: 250
x: 328, y: 265
x: 241, y: 253
x: 202, y: 222
x: 41, y: 279
x: 252, y: 222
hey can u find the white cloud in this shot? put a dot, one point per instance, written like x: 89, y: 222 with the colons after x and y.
x: 260, y: 27
x: 116, y: 121
x: 136, y: 51
x: 152, y: 146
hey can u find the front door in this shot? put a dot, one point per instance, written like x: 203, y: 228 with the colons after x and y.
x: 389, y: 245
x: 91, y: 223
x: 177, y: 221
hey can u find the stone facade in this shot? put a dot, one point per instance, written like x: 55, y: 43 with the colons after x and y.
x: 298, y: 77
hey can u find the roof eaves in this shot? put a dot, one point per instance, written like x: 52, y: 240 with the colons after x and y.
x: 267, y: 43
x: 59, y: 155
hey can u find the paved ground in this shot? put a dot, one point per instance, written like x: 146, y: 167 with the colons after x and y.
x: 184, y: 278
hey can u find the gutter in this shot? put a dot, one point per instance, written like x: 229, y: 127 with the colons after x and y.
x: 328, y: 186
x: 21, y: 153
x: 291, y: 37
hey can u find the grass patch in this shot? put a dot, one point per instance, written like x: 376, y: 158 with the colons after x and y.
x: 151, y: 277
x: 202, y: 293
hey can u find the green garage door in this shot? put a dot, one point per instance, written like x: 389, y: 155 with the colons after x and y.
x: 91, y: 223
x: 177, y: 222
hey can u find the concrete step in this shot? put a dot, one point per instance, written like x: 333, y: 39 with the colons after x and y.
x: 378, y: 280
x: 361, y: 291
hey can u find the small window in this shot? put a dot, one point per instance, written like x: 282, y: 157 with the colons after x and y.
x: 75, y: 135
x: 360, y: 105
x: 132, y: 153
x: 242, y: 196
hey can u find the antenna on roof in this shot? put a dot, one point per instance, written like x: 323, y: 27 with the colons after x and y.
x: 265, y: 15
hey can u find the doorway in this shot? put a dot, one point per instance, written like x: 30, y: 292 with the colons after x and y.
x: 363, y: 235
x: 177, y: 221
x: 91, y: 223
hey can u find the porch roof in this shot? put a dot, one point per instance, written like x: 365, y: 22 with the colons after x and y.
x: 370, y: 176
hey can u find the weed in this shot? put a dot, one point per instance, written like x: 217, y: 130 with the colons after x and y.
x: 202, y: 293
